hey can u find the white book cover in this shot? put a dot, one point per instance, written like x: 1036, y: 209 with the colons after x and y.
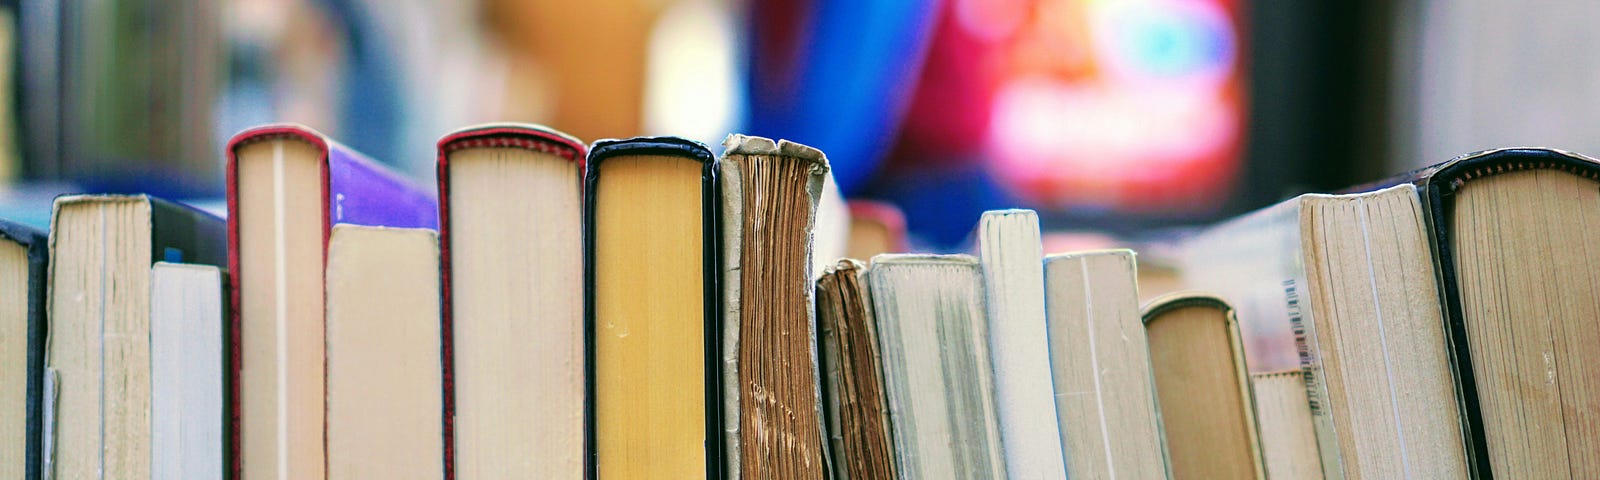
x: 1013, y: 275
x: 186, y: 361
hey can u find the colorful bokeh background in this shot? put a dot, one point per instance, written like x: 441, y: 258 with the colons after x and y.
x: 1119, y: 117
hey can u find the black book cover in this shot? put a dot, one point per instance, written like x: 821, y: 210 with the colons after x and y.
x: 709, y: 196
x: 1437, y: 186
x: 181, y: 233
x: 38, y: 251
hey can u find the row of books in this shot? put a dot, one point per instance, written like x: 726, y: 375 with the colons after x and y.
x: 647, y: 308
x: 1443, y: 323
x: 557, y: 306
x: 1446, y: 321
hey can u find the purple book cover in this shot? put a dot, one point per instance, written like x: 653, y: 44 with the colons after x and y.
x: 362, y: 192
x: 355, y: 190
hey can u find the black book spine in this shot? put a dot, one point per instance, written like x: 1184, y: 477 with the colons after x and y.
x: 1437, y: 187
x: 38, y: 255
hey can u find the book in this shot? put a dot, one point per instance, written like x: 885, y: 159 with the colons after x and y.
x: 99, y: 348
x: 187, y: 371
x: 287, y: 187
x: 770, y: 191
x: 510, y: 209
x: 1512, y: 238
x: 1343, y: 287
x: 650, y: 239
x: 937, y: 366
x: 1013, y: 277
x: 852, y: 375
x: 23, y: 260
x: 875, y: 228
x: 384, y: 375
x: 1100, y: 365
x: 1283, y: 413
x: 1207, y: 408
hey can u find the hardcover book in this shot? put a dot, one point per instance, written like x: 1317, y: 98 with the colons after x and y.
x: 23, y: 259
x: 287, y: 187
x: 652, y: 305
x: 99, y: 352
x: 510, y: 209
x: 1512, y: 233
x: 852, y: 375
x: 1207, y: 407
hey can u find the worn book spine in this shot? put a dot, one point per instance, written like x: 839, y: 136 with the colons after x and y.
x: 355, y: 190
x: 526, y: 136
x: 38, y: 254
x: 710, y: 211
x: 852, y: 375
x: 733, y: 193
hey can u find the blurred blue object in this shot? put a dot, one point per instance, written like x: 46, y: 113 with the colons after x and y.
x: 30, y: 203
x: 836, y: 75
x: 373, y: 111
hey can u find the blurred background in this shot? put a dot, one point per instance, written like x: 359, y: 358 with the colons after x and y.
x: 1112, y: 118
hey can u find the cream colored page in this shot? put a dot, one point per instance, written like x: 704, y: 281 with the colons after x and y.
x: 1381, y: 336
x: 187, y: 371
x: 384, y: 378
x: 99, y: 338
x: 13, y: 358
x: 1529, y: 279
x: 281, y: 309
x: 516, y: 253
x: 1100, y: 362
x: 1288, y: 442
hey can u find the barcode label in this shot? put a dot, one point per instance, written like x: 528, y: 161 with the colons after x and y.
x: 1302, y: 344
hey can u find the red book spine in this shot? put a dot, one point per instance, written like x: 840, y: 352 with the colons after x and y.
x: 531, y: 137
